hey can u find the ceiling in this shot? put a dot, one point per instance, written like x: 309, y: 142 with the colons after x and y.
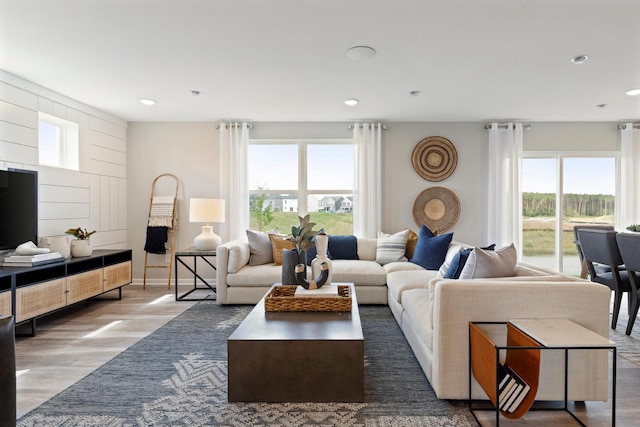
x: 285, y: 60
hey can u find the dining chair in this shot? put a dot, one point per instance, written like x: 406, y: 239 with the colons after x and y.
x: 583, y: 264
x: 629, y: 246
x: 601, y: 247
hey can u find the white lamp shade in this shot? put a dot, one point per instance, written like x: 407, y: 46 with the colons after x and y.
x: 206, y: 210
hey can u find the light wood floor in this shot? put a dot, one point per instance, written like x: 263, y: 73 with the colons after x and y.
x: 61, y: 354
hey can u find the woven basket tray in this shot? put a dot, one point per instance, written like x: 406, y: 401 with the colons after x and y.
x: 281, y: 298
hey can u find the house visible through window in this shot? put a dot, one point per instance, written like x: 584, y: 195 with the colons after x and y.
x: 58, y: 142
x: 289, y: 178
x: 585, y: 187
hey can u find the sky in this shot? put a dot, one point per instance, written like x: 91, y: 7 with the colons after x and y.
x: 275, y: 166
x: 581, y: 175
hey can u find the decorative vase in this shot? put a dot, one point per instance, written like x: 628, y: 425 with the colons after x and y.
x: 322, y: 243
x: 291, y: 258
x: 81, y: 248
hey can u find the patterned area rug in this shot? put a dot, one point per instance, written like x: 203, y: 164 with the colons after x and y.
x: 177, y: 376
x: 628, y: 345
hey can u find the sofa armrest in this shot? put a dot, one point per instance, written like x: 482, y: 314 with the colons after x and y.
x: 231, y: 257
x: 458, y: 302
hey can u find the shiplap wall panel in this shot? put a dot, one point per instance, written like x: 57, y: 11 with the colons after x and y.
x: 63, y: 210
x: 104, y: 203
x: 17, y: 96
x: 54, y: 193
x: 17, y: 134
x: 18, y: 153
x: 107, y: 141
x: 16, y: 114
x: 94, y: 190
x: 114, y: 200
x: 107, y: 155
x: 109, y: 128
x: 94, y: 197
x: 122, y: 203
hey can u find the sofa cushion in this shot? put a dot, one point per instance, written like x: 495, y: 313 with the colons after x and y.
x: 358, y: 272
x: 278, y: 243
x: 238, y: 257
x: 391, y: 247
x: 485, y: 264
x: 256, y: 275
x: 260, y: 247
x: 418, y: 308
x: 401, y: 266
x: 367, y: 248
x: 431, y: 250
x: 400, y: 281
x: 343, y: 247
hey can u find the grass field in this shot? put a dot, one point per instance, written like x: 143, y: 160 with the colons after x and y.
x: 538, y: 234
x: 332, y: 222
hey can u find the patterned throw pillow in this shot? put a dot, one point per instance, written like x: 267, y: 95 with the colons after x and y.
x: 391, y: 247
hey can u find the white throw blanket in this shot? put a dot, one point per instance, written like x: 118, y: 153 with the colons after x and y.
x: 161, y: 214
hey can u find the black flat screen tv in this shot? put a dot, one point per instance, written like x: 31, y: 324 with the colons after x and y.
x: 18, y: 207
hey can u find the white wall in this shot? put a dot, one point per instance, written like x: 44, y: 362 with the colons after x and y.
x: 190, y: 150
x: 95, y: 197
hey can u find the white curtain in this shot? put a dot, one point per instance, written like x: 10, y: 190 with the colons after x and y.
x: 367, y: 194
x: 629, y: 211
x: 234, y: 140
x: 504, y: 205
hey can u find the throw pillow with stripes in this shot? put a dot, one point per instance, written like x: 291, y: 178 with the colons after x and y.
x: 391, y: 247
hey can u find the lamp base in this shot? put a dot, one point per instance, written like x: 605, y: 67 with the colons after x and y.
x: 207, y: 240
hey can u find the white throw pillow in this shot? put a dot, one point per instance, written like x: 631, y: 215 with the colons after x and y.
x: 238, y: 258
x: 391, y: 247
x: 483, y: 264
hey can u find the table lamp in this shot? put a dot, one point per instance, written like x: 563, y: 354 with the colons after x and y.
x: 206, y: 210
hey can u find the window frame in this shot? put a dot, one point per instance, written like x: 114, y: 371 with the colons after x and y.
x: 302, y: 192
x: 559, y: 157
x: 68, y: 140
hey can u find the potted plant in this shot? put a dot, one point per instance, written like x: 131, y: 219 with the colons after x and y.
x: 301, y: 236
x: 81, y: 247
x: 634, y: 227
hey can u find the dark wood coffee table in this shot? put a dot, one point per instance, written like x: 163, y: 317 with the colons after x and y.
x: 297, y: 357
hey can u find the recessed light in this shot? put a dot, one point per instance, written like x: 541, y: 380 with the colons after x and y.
x: 580, y: 59
x: 601, y: 105
x: 195, y: 92
x: 147, y: 101
x: 633, y: 92
x: 360, y: 52
x: 414, y: 93
x: 351, y: 102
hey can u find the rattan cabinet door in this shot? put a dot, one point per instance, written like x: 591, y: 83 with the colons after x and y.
x: 117, y: 275
x: 34, y: 300
x: 84, y: 285
x: 5, y: 303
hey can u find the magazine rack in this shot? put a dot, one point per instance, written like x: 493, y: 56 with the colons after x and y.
x: 522, y: 357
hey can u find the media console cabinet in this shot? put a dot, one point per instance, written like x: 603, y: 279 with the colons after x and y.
x: 30, y: 292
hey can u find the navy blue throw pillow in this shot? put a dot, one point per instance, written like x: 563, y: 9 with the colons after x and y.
x: 459, y: 260
x: 343, y: 247
x: 431, y: 250
x: 313, y: 252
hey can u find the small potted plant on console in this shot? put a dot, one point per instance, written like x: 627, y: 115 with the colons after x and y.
x: 80, y: 247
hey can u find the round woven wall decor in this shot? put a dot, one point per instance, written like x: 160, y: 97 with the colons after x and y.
x: 434, y: 158
x: 436, y: 207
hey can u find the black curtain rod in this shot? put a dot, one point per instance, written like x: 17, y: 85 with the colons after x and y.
x: 506, y: 126
x: 234, y: 125
x: 624, y: 126
x: 384, y: 127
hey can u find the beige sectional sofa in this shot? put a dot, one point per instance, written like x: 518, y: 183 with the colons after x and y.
x: 434, y: 313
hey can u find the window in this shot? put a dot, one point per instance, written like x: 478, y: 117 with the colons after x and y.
x: 288, y: 178
x: 58, y: 142
x: 585, y: 187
